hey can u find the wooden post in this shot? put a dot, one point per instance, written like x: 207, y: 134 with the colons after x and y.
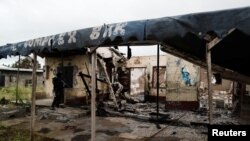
x: 17, y: 79
x: 209, y: 76
x: 33, y: 98
x: 93, y: 96
x: 241, y: 98
x: 62, y: 97
x: 157, y: 80
x: 211, y: 43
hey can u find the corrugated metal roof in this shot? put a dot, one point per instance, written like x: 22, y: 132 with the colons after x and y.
x: 4, y: 68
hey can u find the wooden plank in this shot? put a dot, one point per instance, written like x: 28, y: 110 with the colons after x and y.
x: 158, y: 83
x: 93, y: 97
x: 33, y: 98
x: 109, y: 82
x: 209, y: 76
x: 17, y: 81
x: 213, y: 43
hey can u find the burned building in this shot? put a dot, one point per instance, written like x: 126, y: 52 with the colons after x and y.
x: 182, y: 84
x: 76, y: 71
x: 213, y: 40
x: 137, y: 76
x: 75, y: 92
x: 178, y: 80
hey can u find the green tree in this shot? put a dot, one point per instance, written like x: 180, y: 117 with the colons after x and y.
x: 25, y: 63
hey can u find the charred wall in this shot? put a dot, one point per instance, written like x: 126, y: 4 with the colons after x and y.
x: 178, y: 80
x: 245, y: 105
x: 75, y: 92
x: 225, y: 85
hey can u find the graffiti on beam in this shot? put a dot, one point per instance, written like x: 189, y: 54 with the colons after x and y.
x: 61, y: 39
x: 112, y: 29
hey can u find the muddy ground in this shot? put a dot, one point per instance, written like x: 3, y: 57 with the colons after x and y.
x: 73, y: 124
x: 136, y: 123
x: 108, y: 129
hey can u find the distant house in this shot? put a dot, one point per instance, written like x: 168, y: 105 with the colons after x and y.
x: 8, y: 77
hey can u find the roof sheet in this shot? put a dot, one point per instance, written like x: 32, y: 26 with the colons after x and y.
x: 183, y: 33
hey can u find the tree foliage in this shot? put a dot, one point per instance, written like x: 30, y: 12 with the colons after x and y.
x: 25, y: 63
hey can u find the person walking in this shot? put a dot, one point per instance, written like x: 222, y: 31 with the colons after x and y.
x: 57, y: 89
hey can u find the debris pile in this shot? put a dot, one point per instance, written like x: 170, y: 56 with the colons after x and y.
x: 221, y: 99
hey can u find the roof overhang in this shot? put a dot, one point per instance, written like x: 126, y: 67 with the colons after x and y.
x: 182, y: 36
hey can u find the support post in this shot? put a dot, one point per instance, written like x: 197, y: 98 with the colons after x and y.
x: 62, y: 99
x: 17, y: 79
x: 209, y: 76
x: 93, y: 97
x: 62, y: 65
x: 157, y: 82
x: 33, y: 98
x: 212, y: 41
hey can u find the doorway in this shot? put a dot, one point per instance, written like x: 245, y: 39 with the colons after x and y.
x: 67, y: 78
x: 138, y: 84
x: 2, y: 80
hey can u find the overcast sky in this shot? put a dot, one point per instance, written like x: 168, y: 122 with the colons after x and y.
x: 27, y: 19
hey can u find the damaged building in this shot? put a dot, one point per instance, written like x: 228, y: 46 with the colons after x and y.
x: 137, y: 77
x: 76, y: 74
x: 178, y: 80
x: 139, y: 86
x: 183, y: 85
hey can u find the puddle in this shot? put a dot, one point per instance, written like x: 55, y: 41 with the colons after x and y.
x: 81, y: 138
x: 147, y: 139
x: 44, y: 130
x: 78, y: 130
x: 68, y: 127
x: 107, y: 132
x: 110, y: 124
x: 164, y: 139
x: 143, y: 126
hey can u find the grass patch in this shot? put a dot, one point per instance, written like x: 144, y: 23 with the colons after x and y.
x: 13, y: 134
x: 10, y: 93
x: 23, y: 92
